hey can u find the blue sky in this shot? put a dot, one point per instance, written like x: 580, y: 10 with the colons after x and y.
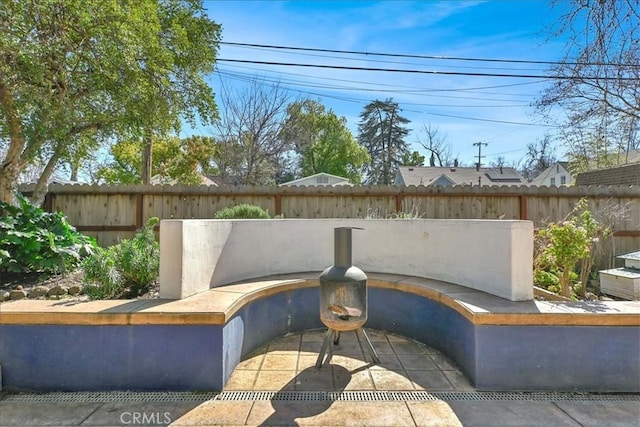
x: 467, y: 109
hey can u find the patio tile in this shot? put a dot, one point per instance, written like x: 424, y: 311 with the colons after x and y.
x: 360, y: 380
x: 511, y: 414
x: 594, y: 414
x: 285, y: 344
x: 433, y: 414
x: 311, y: 346
x: 349, y: 362
x: 241, y: 380
x: 376, y: 335
x: 395, y: 338
x: 218, y: 412
x: 279, y: 362
x: 429, y: 380
x: 388, y: 380
x: 408, y: 347
x: 275, y: 380
x: 417, y: 362
x: 348, y: 337
x: 132, y: 413
x: 347, y: 348
x: 388, y: 361
x: 365, y: 414
x: 382, y: 347
x: 315, y: 379
x: 314, y: 336
x: 251, y: 363
x: 458, y: 380
x: 306, y: 361
x: 45, y: 413
x: 444, y: 362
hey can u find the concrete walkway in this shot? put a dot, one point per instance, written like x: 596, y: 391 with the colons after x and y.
x: 278, y: 384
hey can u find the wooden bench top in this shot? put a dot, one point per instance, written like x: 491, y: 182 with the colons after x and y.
x: 218, y: 305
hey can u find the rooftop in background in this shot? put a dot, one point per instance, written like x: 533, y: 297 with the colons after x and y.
x: 165, y: 180
x: 447, y: 176
x: 619, y: 175
x: 322, y: 179
x: 556, y: 174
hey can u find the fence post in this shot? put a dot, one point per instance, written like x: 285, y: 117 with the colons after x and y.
x: 523, y: 207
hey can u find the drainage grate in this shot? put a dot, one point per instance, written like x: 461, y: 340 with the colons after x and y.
x: 111, y: 396
x: 301, y: 396
x: 369, y: 396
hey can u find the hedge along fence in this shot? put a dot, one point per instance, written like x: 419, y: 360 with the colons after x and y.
x: 111, y: 213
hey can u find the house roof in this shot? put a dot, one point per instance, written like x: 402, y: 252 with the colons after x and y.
x: 423, y: 175
x: 163, y: 180
x: 545, y: 173
x: 620, y: 175
x: 342, y: 180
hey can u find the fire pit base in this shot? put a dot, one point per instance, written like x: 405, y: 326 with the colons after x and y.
x: 335, y: 336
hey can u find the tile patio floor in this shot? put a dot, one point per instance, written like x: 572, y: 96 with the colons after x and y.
x: 288, y: 364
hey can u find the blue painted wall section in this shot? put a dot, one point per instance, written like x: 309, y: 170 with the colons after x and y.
x: 202, y: 357
x: 144, y: 357
x: 424, y: 320
x: 558, y: 358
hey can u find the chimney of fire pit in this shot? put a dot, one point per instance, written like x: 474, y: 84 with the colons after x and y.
x: 342, y: 246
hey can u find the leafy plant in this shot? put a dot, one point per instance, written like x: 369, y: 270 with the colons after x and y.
x: 128, y: 268
x: 242, y: 211
x: 32, y: 240
x: 563, y: 246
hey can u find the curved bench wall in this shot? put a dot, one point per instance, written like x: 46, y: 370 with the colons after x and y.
x: 160, y: 345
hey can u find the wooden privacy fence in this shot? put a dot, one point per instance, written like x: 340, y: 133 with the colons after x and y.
x: 113, y: 212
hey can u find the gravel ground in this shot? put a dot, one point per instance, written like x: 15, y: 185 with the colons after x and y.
x: 27, y: 282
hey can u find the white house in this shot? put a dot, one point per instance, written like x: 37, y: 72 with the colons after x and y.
x: 555, y: 175
x: 322, y: 178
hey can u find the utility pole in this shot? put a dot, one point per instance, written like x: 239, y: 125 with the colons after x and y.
x: 480, y: 156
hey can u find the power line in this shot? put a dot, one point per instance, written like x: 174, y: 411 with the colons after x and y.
x: 378, y: 84
x: 362, y: 101
x: 433, y: 72
x: 405, y: 90
x: 438, y: 57
x: 514, y: 103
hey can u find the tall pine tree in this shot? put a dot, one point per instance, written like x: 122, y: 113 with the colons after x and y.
x: 382, y: 132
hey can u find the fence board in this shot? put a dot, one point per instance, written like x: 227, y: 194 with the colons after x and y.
x: 113, y: 212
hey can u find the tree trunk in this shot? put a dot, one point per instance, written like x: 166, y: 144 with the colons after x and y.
x: 147, y: 157
x: 74, y: 172
x: 13, y: 162
x: 7, y: 178
x: 40, y: 191
x: 564, y: 282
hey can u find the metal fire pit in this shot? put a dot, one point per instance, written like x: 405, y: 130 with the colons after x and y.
x: 343, y: 297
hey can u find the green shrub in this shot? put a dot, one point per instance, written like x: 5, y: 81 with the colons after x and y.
x: 562, y: 247
x: 547, y: 280
x: 126, y: 269
x: 242, y: 211
x: 32, y: 240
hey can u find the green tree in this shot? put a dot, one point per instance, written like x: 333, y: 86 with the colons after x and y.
x: 323, y: 141
x: 109, y: 69
x: 412, y: 159
x: 382, y: 131
x: 179, y: 159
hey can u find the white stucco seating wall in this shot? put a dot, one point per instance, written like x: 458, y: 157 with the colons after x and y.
x: 494, y: 256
